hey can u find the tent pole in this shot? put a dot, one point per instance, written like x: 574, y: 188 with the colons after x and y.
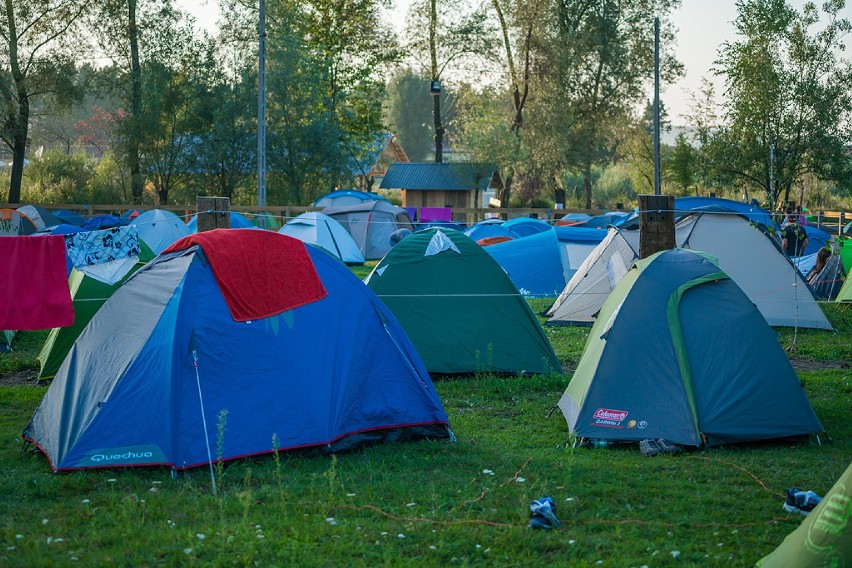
x: 204, y: 423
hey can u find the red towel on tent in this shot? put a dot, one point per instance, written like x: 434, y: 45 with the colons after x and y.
x: 260, y: 273
x: 34, y: 290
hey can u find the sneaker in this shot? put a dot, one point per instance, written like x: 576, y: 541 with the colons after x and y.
x: 802, y: 502
x: 543, y: 509
x: 667, y: 447
x: 649, y: 447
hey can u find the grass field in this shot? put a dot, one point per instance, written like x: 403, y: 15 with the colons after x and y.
x: 434, y: 503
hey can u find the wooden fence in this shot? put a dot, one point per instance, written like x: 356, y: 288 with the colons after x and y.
x: 832, y: 222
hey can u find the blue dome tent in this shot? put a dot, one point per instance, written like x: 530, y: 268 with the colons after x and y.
x: 184, y: 345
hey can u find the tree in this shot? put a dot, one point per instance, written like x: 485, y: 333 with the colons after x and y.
x: 682, y: 164
x: 36, y: 57
x: 439, y: 34
x: 638, y: 146
x: 408, y: 112
x: 599, y: 58
x: 788, y: 99
x: 327, y: 65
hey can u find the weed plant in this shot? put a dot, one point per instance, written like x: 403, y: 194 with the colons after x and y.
x: 434, y: 503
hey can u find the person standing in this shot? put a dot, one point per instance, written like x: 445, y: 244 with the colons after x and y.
x: 794, y: 238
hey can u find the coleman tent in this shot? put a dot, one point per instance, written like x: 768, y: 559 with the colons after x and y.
x: 460, y: 309
x: 223, y: 330
x: 680, y: 352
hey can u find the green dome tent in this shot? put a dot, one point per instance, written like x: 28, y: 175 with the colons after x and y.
x: 825, y: 536
x: 680, y: 352
x: 87, y: 297
x: 459, y: 308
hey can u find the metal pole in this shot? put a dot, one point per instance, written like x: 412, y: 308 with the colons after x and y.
x: 261, y: 108
x: 657, y: 174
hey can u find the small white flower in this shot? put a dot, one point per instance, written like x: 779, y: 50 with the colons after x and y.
x: 187, y: 551
x: 171, y: 523
x: 487, y: 472
x: 572, y: 541
x: 410, y: 504
x: 433, y: 547
x: 49, y: 539
x: 600, y: 562
x: 19, y: 536
x: 154, y: 489
x: 261, y: 536
x: 112, y: 480
x: 384, y: 533
x: 350, y: 494
x: 84, y: 501
x: 400, y: 535
x: 257, y: 527
x: 200, y: 536
x: 44, y: 521
x: 675, y: 553
x: 74, y: 558
x: 331, y: 520
x: 486, y: 550
x: 520, y: 479
x: 569, y: 498
x: 10, y: 548
x: 478, y: 546
x: 156, y: 482
x: 59, y: 540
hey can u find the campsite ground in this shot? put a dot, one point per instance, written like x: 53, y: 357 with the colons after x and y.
x: 432, y: 502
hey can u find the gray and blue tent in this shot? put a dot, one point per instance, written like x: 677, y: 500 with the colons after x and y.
x: 160, y: 228
x: 320, y: 230
x: 680, y: 352
x: 185, y: 347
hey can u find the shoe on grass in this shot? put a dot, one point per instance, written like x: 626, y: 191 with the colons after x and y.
x: 802, y: 502
x: 649, y: 447
x: 667, y: 447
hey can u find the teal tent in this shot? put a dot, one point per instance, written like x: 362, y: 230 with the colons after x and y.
x: 459, y: 308
x: 679, y: 352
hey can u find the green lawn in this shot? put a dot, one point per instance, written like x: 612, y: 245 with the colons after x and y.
x: 434, y: 503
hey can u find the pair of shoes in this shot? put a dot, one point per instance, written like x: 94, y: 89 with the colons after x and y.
x: 802, y: 502
x: 543, y: 516
x: 651, y: 447
x: 667, y: 447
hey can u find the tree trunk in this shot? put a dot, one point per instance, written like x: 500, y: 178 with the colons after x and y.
x: 164, y: 196
x: 19, y: 147
x: 135, y: 106
x: 587, y: 182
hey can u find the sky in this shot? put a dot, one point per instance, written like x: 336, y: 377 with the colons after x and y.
x: 703, y: 26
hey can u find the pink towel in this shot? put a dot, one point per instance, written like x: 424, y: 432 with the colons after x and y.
x: 34, y: 290
x: 260, y: 273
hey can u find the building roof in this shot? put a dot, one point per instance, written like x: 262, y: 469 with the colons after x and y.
x: 455, y: 176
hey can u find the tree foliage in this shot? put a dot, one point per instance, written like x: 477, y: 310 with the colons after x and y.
x: 37, y: 59
x: 788, y: 99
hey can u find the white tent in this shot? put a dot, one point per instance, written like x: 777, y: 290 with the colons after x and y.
x: 752, y: 259
x: 321, y: 230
